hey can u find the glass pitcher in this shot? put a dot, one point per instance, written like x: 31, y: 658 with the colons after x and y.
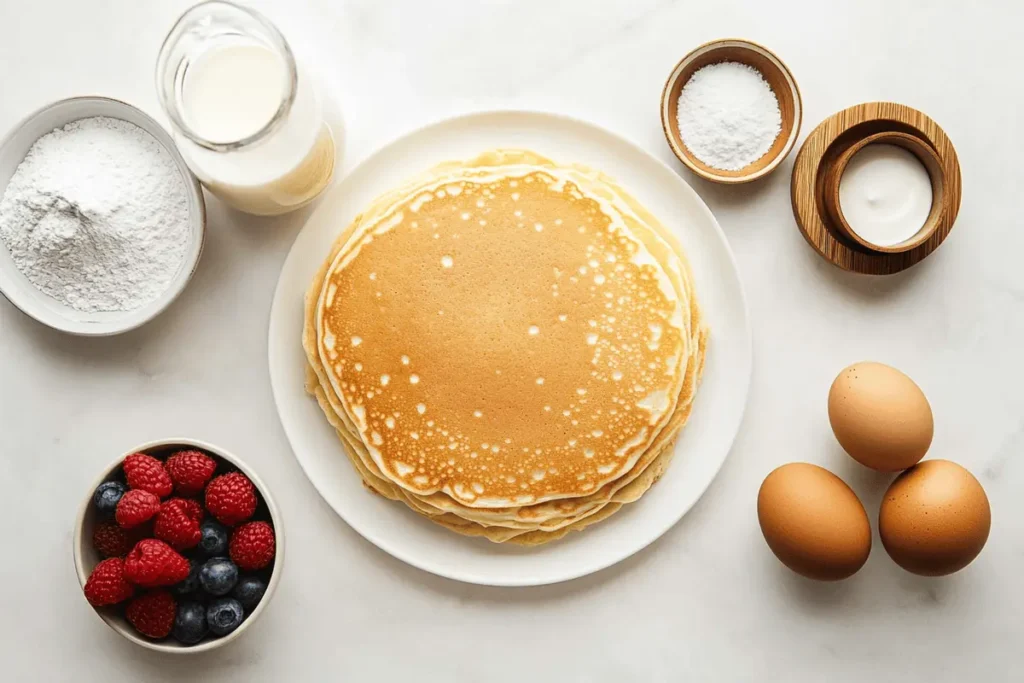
x: 246, y: 117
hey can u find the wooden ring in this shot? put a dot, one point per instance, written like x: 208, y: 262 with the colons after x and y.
x: 820, y: 154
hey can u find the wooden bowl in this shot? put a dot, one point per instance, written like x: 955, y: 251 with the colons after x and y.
x: 86, y: 557
x: 929, y: 159
x: 821, y: 153
x: 779, y: 78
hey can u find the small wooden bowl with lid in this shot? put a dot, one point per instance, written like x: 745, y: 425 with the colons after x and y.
x: 928, y: 157
x: 774, y: 72
x: 826, y: 154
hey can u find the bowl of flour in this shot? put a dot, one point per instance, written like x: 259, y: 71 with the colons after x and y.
x: 101, y: 221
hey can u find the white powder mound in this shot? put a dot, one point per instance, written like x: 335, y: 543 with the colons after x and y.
x: 728, y: 115
x: 97, y: 216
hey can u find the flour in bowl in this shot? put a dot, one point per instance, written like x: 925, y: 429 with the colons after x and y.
x: 97, y: 216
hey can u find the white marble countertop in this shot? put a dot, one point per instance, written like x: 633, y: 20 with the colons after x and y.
x: 707, y: 602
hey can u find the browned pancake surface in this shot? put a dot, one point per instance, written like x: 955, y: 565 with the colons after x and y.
x: 502, y: 344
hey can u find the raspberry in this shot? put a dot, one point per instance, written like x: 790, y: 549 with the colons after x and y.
x: 152, y: 614
x: 147, y: 473
x: 153, y: 563
x: 193, y: 507
x: 111, y: 540
x: 252, y: 545
x: 178, y: 524
x: 107, y: 584
x: 136, y: 507
x: 190, y: 470
x: 231, y: 498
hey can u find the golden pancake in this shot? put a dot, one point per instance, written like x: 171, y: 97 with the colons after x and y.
x: 529, y: 516
x: 622, y: 272
x: 562, y: 508
x: 529, y: 364
x: 541, y: 535
x: 620, y: 492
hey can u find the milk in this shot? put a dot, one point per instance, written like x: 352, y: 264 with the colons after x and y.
x: 885, y: 194
x: 232, y: 92
x: 256, y: 135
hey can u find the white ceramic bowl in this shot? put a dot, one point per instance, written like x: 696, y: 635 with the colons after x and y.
x: 22, y: 293
x: 86, y: 557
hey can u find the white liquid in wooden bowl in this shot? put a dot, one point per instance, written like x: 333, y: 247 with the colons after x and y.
x: 885, y: 194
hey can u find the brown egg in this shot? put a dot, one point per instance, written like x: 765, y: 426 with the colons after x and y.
x: 935, y: 518
x: 813, y: 522
x: 880, y: 417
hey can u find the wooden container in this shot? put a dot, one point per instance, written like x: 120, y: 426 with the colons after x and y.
x: 928, y: 158
x: 779, y: 78
x: 825, y: 154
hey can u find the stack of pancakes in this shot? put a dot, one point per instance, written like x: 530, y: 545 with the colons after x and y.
x: 508, y: 346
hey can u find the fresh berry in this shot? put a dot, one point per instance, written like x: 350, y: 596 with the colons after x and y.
x: 190, y: 586
x: 110, y: 540
x: 152, y: 614
x: 218, y: 576
x: 231, y: 498
x: 249, y: 591
x: 107, y: 584
x: 136, y: 507
x: 177, y: 524
x: 148, y: 474
x: 214, y: 539
x: 193, y: 507
x: 107, y: 496
x: 190, y: 470
x: 153, y: 563
x: 224, y: 616
x: 252, y: 545
x: 190, y: 623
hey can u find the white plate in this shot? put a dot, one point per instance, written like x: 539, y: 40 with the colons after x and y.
x: 703, y: 445
x: 47, y: 310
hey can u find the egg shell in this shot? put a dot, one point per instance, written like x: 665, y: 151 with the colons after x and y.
x: 813, y: 522
x: 935, y: 518
x: 880, y: 416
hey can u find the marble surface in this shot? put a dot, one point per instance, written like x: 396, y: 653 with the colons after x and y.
x: 708, y: 602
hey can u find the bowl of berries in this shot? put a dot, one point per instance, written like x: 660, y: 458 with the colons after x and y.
x: 178, y: 546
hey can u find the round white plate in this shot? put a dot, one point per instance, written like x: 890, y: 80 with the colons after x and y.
x: 701, y: 448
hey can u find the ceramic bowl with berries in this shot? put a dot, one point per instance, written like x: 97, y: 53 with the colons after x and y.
x: 179, y: 546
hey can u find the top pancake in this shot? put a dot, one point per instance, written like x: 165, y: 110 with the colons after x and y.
x: 501, y: 335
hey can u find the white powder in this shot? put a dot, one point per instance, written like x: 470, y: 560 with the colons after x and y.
x: 97, y: 216
x: 728, y: 115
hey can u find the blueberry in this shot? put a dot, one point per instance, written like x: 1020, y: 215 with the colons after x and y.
x: 224, y: 616
x: 214, y: 539
x: 190, y: 586
x: 249, y: 591
x: 107, y: 496
x: 190, y: 623
x: 218, y: 576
